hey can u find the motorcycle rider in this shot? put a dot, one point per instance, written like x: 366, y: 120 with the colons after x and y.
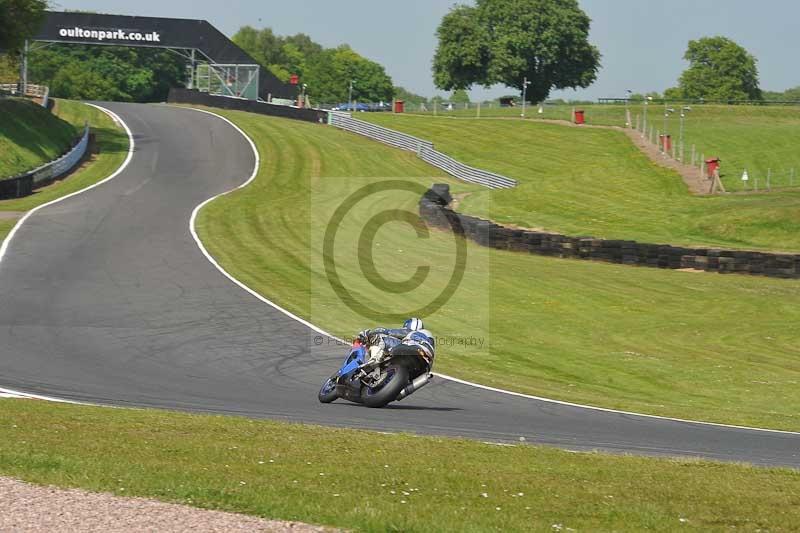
x: 381, y: 341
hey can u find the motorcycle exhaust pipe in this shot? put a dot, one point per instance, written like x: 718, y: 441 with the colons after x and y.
x: 415, y: 386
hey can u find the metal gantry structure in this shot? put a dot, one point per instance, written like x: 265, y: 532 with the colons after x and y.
x: 204, y: 74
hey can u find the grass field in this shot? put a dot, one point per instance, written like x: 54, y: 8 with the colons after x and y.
x: 756, y: 138
x: 111, y: 141
x: 30, y: 136
x: 366, y: 481
x: 597, y: 183
x: 702, y: 346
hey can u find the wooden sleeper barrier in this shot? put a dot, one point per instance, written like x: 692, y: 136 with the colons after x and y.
x: 434, y: 209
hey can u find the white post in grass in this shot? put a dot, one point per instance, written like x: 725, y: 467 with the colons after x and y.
x: 479, y: 110
x: 769, y: 179
x: 525, y: 84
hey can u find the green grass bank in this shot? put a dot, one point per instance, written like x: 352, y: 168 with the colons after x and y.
x: 596, y: 183
x: 112, y: 144
x: 30, y: 136
x: 307, y: 473
x: 700, y: 346
x: 756, y: 138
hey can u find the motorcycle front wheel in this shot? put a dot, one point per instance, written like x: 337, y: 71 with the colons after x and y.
x: 328, y: 393
x: 396, y: 377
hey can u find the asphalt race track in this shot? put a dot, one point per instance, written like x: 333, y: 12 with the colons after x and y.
x: 105, y: 297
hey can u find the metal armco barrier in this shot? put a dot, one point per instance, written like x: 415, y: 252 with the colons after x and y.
x: 23, y: 185
x: 424, y: 149
x: 33, y: 91
x: 433, y: 208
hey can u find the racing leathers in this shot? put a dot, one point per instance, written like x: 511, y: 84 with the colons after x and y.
x: 381, y: 341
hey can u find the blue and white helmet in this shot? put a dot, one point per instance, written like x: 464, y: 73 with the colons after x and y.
x: 414, y: 324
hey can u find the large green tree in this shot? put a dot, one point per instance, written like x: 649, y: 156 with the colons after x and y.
x: 719, y: 69
x: 329, y: 75
x: 19, y: 19
x: 326, y: 71
x: 107, y: 72
x: 504, y: 41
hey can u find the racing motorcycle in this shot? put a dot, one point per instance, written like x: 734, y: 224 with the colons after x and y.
x: 404, y: 370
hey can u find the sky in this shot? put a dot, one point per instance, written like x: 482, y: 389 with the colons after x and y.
x: 642, y: 41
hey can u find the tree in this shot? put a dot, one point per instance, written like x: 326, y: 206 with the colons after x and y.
x: 9, y: 68
x: 401, y: 93
x: 107, y: 72
x: 459, y: 96
x: 19, y: 19
x: 329, y: 75
x: 719, y: 69
x: 327, y: 72
x: 498, y: 41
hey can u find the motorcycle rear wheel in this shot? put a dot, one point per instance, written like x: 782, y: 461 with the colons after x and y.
x: 388, y: 392
x: 327, y: 393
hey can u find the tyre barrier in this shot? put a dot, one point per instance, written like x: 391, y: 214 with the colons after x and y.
x: 194, y: 97
x: 434, y: 209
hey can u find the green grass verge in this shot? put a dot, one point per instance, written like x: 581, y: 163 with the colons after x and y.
x: 756, y: 138
x: 597, y: 183
x: 5, y: 228
x: 701, y: 346
x: 112, y: 142
x: 30, y: 136
x: 375, y: 482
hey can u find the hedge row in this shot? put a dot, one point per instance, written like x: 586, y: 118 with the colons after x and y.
x: 434, y: 210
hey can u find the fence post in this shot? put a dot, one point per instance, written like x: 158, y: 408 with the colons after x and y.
x: 479, y: 110
x: 769, y: 179
x: 702, y: 160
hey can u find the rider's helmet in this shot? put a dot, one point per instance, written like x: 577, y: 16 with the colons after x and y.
x: 414, y: 324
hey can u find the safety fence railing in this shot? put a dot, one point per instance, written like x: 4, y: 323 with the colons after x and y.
x: 424, y: 150
x: 24, y: 184
x: 34, y: 91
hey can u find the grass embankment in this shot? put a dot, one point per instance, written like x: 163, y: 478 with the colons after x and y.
x: 756, y: 138
x: 30, y: 136
x: 597, y: 183
x: 709, y: 347
x: 112, y: 143
x: 373, y: 482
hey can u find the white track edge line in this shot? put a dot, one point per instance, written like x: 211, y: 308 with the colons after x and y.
x: 20, y: 222
x: 443, y: 376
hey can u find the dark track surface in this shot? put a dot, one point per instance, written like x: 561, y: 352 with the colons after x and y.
x: 105, y: 297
